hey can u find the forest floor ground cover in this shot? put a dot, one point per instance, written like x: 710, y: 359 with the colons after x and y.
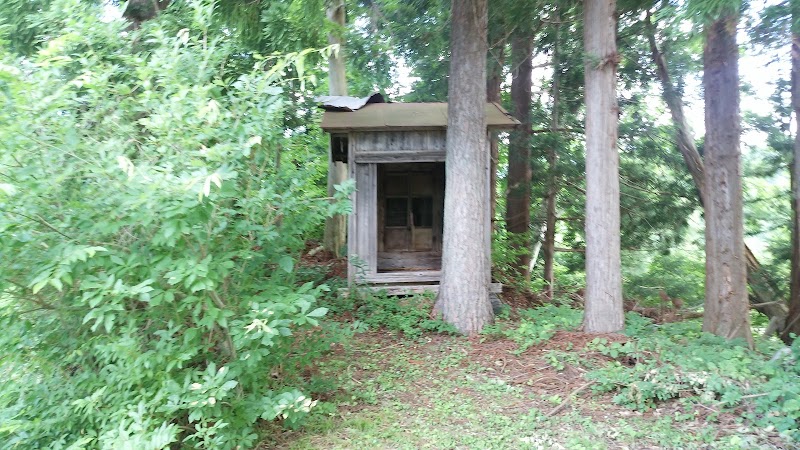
x: 439, y: 391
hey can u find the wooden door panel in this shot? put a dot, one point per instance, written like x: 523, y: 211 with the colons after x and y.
x: 422, y: 239
x: 396, y: 239
x: 410, y: 216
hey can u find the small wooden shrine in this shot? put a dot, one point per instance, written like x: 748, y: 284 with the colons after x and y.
x: 396, y: 154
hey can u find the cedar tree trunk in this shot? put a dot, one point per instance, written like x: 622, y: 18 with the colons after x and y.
x: 726, y: 311
x: 493, y: 82
x: 793, y: 321
x: 549, y: 247
x: 518, y: 195
x: 464, y: 295
x: 763, y: 293
x: 603, y: 308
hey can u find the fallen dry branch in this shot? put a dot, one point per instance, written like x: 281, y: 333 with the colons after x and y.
x: 567, y: 400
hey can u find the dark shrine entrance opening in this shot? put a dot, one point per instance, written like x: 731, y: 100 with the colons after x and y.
x: 410, y: 210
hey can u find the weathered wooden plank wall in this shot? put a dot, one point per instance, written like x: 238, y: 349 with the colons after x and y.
x: 363, y: 222
x: 392, y: 141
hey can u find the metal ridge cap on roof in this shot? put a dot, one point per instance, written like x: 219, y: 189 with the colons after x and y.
x: 347, y: 103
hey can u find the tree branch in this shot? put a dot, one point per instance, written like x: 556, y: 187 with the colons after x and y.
x: 35, y: 298
x: 569, y: 398
x: 38, y: 219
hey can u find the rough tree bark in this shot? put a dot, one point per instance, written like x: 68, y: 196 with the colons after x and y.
x: 793, y: 321
x: 335, y: 237
x: 518, y: 193
x: 603, y: 308
x: 726, y: 311
x: 463, y: 294
x: 763, y: 296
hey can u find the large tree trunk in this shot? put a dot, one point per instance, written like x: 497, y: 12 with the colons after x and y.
x: 726, y: 312
x: 764, y: 297
x: 335, y: 237
x: 518, y: 194
x: 793, y: 321
x: 464, y: 295
x: 603, y: 309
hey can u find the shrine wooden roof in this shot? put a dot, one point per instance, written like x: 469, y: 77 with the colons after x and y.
x: 411, y: 116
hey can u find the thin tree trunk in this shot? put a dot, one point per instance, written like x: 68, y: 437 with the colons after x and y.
x: 464, y: 295
x: 762, y: 291
x: 793, y: 321
x: 549, y: 247
x: 726, y: 311
x: 537, y: 247
x: 337, y: 78
x: 518, y: 194
x: 674, y: 102
x: 495, y: 78
x: 335, y: 237
x: 603, y: 308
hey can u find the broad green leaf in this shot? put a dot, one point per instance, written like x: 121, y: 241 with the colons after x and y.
x: 286, y: 263
x: 56, y: 283
x: 319, y: 312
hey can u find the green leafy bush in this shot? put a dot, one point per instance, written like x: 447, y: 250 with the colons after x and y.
x: 677, y: 360
x: 410, y: 315
x: 536, y: 325
x: 680, y: 274
x: 673, y: 361
x: 147, y: 282
x: 776, y: 402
